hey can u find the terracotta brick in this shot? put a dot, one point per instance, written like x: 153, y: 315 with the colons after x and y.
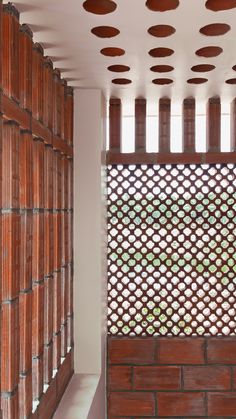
x: 9, y: 346
x: 131, y: 351
x: 37, y: 82
x: 26, y: 170
x: 37, y: 377
x: 25, y: 311
x: 207, y: 378
x: 48, y: 363
x: 64, y: 340
x: 26, y: 242
x: 38, y: 247
x: 25, y: 67
x: 234, y: 378
x: 157, y: 378
x: 119, y: 377
x: 25, y: 395
x: 223, y: 404
x: 180, y: 351
x: 221, y: 351
x: 10, y: 51
x: 57, y: 350
x: 38, y: 174
x: 38, y: 320
x: 131, y: 404
x: 181, y: 404
x: 48, y: 310
x: 10, y: 257
x: 10, y: 405
x: 10, y: 164
x: 48, y: 243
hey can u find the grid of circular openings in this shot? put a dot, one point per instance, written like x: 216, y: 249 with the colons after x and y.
x: 171, y: 250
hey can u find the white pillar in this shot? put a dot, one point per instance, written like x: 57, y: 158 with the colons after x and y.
x: 89, y: 239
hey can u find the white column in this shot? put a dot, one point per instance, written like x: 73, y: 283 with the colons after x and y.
x: 89, y: 275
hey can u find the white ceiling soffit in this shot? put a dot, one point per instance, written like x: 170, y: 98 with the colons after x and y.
x: 64, y: 29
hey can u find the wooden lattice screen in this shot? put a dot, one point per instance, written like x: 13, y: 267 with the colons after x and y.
x: 36, y: 173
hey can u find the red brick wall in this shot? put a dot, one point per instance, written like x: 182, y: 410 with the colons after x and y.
x: 171, y: 377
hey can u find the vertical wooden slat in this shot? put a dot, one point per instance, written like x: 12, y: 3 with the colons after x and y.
x: 47, y: 92
x: 37, y: 82
x: 189, y: 125
x: 115, y: 122
x: 164, y: 125
x: 10, y: 51
x: 233, y: 125
x: 140, y: 125
x: 25, y: 66
x: 213, y: 124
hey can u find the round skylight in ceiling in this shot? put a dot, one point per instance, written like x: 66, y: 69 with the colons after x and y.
x: 121, y: 81
x: 215, y: 29
x: 161, y: 52
x: 118, y: 68
x: 161, y: 31
x: 105, y: 31
x: 231, y: 81
x: 112, y: 51
x: 218, y: 5
x: 162, y: 81
x: 203, y: 68
x: 197, y: 80
x: 162, y: 5
x: 99, y: 7
x: 210, y: 51
x: 162, y: 68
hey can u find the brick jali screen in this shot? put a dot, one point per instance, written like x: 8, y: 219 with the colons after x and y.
x: 36, y: 174
x: 171, y: 270
x: 172, y: 250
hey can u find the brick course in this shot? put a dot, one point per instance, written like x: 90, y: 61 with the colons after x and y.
x: 171, y: 378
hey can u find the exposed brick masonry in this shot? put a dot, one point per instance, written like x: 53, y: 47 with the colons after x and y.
x: 171, y: 377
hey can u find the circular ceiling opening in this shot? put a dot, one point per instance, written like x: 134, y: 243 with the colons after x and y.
x: 207, y: 52
x: 118, y: 68
x: 162, y: 5
x: 121, y: 81
x: 162, y: 81
x: 161, y: 31
x: 203, y: 68
x: 105, y: 31
x: 161, y: 52
x: 99, y: 7
x: 231, y: 81
x: 162, y: 68
x: 217, y: 5
x: 197, y: 80
x: 112, y: 51
x: 215, y: 29
x: 234, y: 68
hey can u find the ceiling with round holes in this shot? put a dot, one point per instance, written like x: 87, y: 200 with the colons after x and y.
x: 140, y: 48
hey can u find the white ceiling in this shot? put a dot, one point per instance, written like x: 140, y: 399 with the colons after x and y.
x: 64, y: 28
